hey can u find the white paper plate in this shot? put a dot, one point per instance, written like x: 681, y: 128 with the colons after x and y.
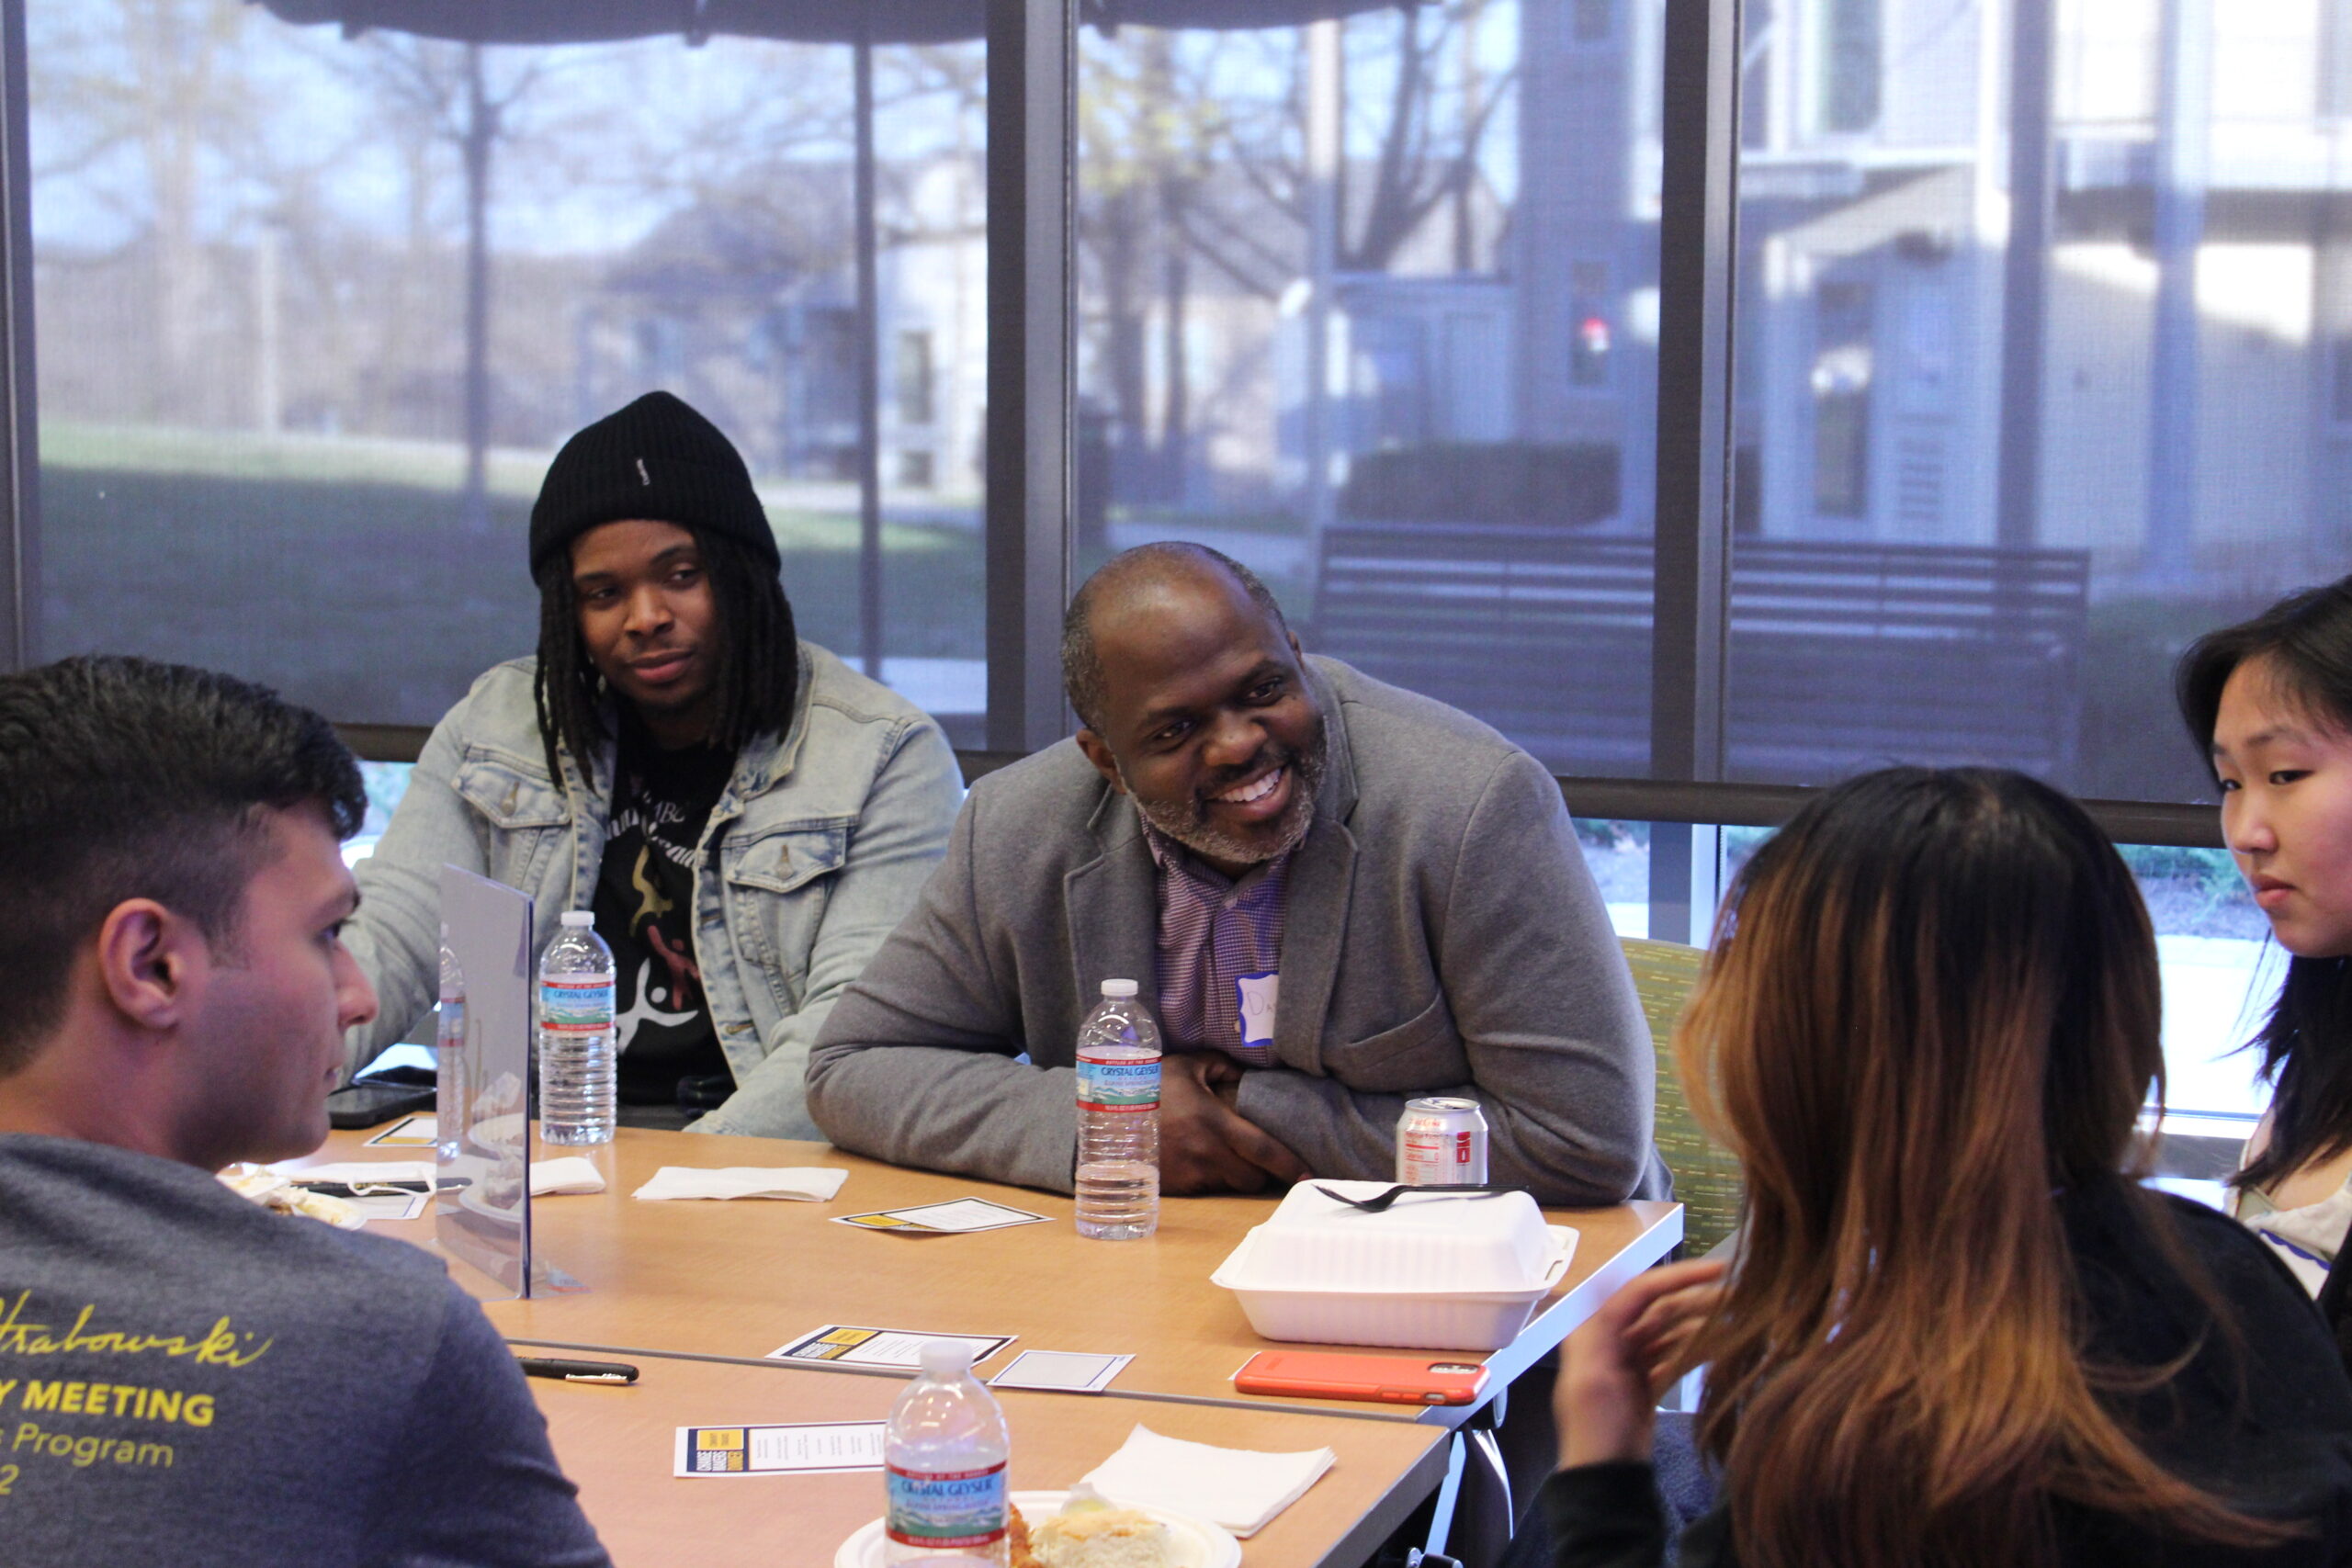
x: 1192, y: 1543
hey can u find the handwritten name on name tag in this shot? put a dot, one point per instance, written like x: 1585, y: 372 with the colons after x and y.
x: 1258, y: 993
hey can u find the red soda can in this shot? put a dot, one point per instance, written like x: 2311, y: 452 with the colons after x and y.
x: 1442, y: 1142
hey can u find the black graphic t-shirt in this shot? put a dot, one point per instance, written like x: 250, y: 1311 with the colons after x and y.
x: 644, y: 909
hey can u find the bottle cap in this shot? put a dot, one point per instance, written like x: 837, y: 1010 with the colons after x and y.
x: 579, y: 917
x: 1118, y: 987
x: 946, y: 1357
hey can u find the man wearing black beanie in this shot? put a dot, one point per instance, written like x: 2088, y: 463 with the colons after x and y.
x: 746, y: 815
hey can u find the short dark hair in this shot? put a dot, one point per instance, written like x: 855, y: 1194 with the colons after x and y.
x: 1129, y: 570
x: 123, y: 778
x: 759, y: 655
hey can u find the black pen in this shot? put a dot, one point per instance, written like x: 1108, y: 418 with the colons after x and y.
x: 576, y: 1371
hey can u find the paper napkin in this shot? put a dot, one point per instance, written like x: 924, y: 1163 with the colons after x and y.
x: 813, y: 1183
x: 1239, y: 1489
x: 560, y: 1178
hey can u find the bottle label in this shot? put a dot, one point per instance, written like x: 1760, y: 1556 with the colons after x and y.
x: 953, y: 1507
x: 576, y: 1004
x: 1118, y: 1085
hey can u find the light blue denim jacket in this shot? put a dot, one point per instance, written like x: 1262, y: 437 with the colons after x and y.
x: 816, y: 849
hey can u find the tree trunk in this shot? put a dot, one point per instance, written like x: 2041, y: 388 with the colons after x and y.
x: 480, y: 135
x: 1175, y: 433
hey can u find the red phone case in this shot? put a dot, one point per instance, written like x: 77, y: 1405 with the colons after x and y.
x: 1390, y: 1380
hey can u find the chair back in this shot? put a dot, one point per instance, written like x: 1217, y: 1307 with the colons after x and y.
x: 1706, y: 1178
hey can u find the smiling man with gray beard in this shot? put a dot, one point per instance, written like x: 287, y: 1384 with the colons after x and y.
x: 1338, y: 894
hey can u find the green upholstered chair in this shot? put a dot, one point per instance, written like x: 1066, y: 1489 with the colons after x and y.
x: 1706, y: 1178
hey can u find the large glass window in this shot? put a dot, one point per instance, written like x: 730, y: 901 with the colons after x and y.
x: 1371, y: 304
x: 2043, y: 333
x: 316, y: 304
x: 2040, y: 376
x: 2219, y: 967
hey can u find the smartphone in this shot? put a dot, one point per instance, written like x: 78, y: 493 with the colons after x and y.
x: 1393, y: 1380
x: 368, y: 1103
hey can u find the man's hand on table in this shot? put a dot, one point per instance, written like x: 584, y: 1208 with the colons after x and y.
x: 1205, y: 1145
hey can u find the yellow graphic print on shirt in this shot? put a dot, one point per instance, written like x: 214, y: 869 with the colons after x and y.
x: 654, y: 905
x: 23, y: 1440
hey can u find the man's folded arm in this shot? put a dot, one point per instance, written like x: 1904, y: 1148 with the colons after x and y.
x: 1559, y: 1054
x: 396, y: 934
x: 1559, y: 1047
x: 915, y: 1065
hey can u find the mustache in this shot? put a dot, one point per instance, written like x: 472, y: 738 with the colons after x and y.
x: 1274, y: 754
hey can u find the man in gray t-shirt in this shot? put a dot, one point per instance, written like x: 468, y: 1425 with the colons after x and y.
x: 186, y: 1378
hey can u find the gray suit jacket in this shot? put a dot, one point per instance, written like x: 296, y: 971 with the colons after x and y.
x: 1444, y: 938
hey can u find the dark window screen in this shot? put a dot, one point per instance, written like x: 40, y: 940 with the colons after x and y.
x: 315, y: 308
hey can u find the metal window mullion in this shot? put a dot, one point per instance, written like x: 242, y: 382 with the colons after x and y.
x: 1031, y: 160
x: 2025, y: 274
x: 1691, y: 592
x: 19, y: 438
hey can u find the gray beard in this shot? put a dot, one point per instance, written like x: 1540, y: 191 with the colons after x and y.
x: 1192, y: 828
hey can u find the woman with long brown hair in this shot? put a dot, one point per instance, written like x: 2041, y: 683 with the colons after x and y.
x: 1959, y: 1331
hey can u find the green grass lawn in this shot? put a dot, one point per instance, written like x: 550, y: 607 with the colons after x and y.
x: 345, y: 575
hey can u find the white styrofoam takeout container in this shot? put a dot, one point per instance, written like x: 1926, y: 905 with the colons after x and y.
x: 1432, y: 1272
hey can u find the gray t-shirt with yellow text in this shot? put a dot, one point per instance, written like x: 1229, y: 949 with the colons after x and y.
x: 188, y: 1379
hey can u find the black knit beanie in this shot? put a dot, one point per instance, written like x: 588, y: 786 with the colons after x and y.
x: 656, y: 459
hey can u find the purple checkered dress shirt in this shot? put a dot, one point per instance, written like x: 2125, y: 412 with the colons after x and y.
x: 1211, y: 932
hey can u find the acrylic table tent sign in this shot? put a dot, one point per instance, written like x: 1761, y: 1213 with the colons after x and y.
x: 482, y: 1153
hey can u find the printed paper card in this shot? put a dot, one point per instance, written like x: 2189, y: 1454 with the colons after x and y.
x: 953, y: 1217
x: 390, y: 1205
x: 822, y: 1449
x: 900, y: 1349
x: 408, y: 1133
x: 1064, y: 1371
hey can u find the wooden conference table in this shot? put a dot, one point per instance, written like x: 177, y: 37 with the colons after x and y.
x: 617, y: 1443
x: 728, y: 1282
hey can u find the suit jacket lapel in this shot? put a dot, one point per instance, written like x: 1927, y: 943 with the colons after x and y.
x: 1110, y: 904
x: 1321, y: 879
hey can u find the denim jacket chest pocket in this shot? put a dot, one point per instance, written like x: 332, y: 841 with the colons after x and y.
x: 778, y: 876
x: 528, y: 816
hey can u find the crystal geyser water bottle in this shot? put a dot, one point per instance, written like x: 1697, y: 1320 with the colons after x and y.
x: 944, y: 1466
x: 1118, y: 1117
x: 577, y: 1070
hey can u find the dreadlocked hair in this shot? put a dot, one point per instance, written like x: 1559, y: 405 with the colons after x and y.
x: 758, y: 656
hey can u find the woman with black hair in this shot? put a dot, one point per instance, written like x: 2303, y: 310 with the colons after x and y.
x: 2270, y: 701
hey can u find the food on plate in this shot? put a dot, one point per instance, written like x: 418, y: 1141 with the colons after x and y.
x: 1016, y: 1535
x: 274, y: 1191
x: 1090, y: 1532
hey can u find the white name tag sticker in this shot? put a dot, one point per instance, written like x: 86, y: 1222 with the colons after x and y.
x: 1256, y: 994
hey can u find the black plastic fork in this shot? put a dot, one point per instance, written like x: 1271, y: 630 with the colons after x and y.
x: 1379, y: 1201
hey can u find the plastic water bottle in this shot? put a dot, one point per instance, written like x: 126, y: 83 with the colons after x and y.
x: 577, y: 1068
x: 1118, y: 1117
x: 944, y: 1466
x: 448, y: 1049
